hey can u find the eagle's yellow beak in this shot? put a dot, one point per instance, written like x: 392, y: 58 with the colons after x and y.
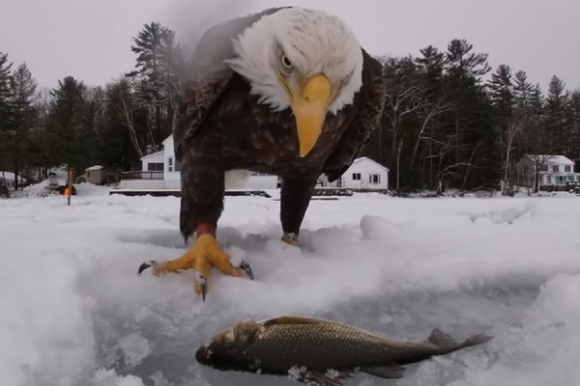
x: 310, y: 109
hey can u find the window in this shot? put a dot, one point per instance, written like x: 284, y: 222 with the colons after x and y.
x: 356, y: 176
x: 548, y: 179
x: 374, y: 178
x: 555, y: 168
x: 544, y: 168
x: 171, y: 167
x: 155, y: 167
x: 568, y: 168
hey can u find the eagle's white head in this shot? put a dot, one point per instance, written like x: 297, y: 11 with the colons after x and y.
x: 304, y: 59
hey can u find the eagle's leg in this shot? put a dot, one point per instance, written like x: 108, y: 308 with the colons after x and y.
x: 295, y: 197
x: 201, y: 207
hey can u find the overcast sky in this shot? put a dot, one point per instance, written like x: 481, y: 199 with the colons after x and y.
x: 90, y: 39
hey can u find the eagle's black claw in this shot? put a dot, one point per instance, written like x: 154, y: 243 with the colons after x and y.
x: 247, y: 269
x: 145, y: 265
x: 202, y: 282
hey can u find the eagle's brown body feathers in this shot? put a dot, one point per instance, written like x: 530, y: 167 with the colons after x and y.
x: 219, y: 126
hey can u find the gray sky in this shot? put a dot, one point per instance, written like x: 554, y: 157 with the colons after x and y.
x: 90, y: 39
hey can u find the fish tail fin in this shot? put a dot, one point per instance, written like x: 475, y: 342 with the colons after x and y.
x: 445, y: 342
x: 476, y: 340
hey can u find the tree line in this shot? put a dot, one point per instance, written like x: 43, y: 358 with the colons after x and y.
x: 443, y: 125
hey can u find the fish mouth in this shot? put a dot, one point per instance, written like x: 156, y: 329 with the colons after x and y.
x: 218, y: 360
x: 202, y: 355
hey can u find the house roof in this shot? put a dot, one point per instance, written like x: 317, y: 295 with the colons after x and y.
x: 371, y: 160
x: 160, y: 152
x: 551, y: 159
x: 94, y: 167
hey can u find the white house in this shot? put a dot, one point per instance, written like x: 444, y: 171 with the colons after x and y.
x: 161, y: 170
x: 7, y: 178
x: 553, y: 170
x: 364, y: 173
x: 154, y: 164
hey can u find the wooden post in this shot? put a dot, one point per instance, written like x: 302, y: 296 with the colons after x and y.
x: 69, y: 186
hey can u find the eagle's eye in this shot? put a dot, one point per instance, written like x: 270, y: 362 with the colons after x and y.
x: 286, y: 63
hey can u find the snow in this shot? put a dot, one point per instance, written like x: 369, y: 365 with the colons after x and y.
x: 9, y: 176
x: 551, y: 159
x: 74, y: 311
x: 94, y: 167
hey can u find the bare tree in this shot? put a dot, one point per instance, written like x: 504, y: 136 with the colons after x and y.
x: 126, y: 105
x: 536, y: 140
x: 469, y: 165
x: 539, y: 160
x: 427, y: 113
x: 404, y: 96
x: 445, y: 147
x: 516, y: 125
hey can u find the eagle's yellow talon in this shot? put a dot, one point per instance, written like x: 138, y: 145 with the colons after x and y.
x: 159, y: 270
x: 294, y: 243
x: 204, y: 253
x: 290, y: 239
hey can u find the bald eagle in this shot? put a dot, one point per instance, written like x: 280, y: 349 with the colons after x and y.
x: 287, y: 91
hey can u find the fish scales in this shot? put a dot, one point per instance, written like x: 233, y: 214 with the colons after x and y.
x: 325, y: 345
x: 308, y: 348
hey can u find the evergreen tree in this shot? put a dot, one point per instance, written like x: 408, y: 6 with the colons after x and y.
x: 442, y: 125
x: 555, y: 117
x: 573, y: 124
x: 92, y: 105
x: 471, y: 124
x: 39, y: 143
x: 159, y: 63
x: 65, y: 126
x: 431, y: 65
x: 502, y: 93
x: 5, y: 117
x: 173, y: 66
x: 23, y: 116
x: 123, y: 138
x: 523, y: 90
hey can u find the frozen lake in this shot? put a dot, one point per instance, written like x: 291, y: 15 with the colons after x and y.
x: 74, y: 311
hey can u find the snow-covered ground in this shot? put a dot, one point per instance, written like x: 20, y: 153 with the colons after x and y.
x: 74, y: 312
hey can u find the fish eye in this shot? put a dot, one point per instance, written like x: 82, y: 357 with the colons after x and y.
x: 286, y: 63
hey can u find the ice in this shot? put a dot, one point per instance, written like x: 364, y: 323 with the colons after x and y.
x: 75, y: 312
x: 110, y: 378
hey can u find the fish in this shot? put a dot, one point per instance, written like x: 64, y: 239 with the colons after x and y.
x: 317, y: 351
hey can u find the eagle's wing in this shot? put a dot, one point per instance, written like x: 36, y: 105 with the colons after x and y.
x: 360, y: 130
x: 209, y: 76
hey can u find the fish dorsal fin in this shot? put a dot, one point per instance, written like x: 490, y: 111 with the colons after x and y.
x: 441, y: 339
x: 291, y: 320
